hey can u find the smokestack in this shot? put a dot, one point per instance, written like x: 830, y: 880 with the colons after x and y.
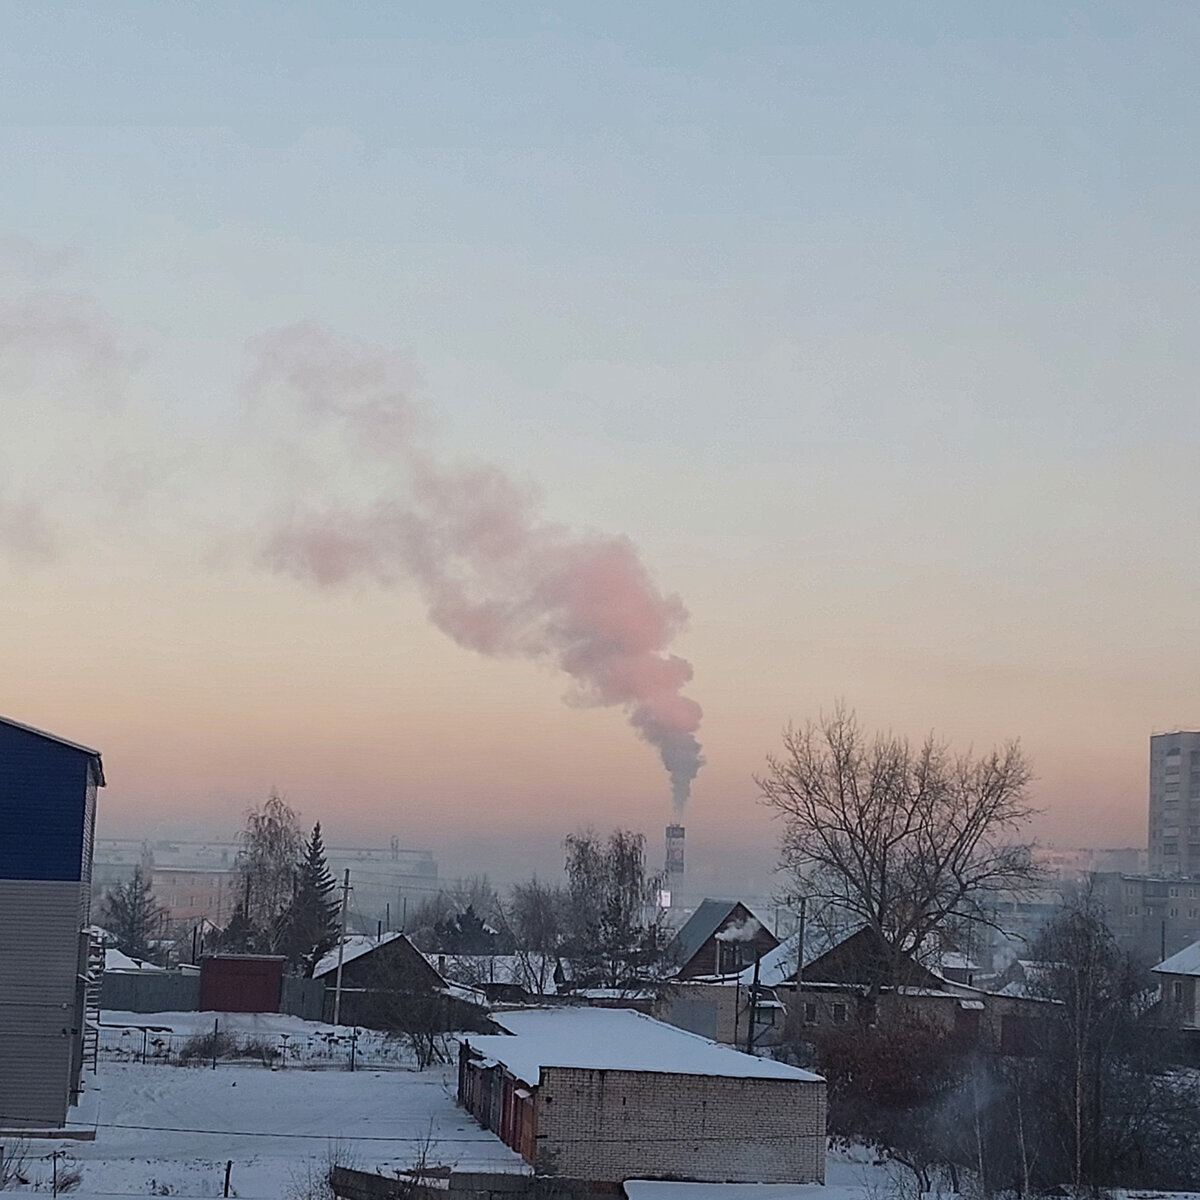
x: 674, y: 853
x: 497, y: 577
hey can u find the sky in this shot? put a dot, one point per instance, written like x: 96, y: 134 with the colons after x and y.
x: 400, y: 398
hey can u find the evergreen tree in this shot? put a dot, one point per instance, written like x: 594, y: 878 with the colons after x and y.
x: 310, y: 924
x: 466, y: 933
x: 133, y: 916
x: 238, y: 937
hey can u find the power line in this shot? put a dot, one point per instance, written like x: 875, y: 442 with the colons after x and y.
x: 420, y: 1137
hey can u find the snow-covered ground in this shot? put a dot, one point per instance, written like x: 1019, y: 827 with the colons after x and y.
x: 169, y: 1130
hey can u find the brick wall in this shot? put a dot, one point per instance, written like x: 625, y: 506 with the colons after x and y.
x: 644, y: 1125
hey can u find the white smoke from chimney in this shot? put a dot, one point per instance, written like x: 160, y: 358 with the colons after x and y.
x: 497, y: 577
x: 744, y: 930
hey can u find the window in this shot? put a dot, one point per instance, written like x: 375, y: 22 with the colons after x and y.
x: 1177, y: 991
x: 810, y: 1013
x: 839, y: 1014
x: 1173, y: 892
x: 1173, y: 913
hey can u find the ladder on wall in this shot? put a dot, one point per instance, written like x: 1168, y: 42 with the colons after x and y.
x: 91, y: 1004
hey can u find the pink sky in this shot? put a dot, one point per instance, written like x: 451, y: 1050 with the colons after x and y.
x: 457, y: 421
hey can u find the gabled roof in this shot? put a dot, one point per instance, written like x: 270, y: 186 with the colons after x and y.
x: 50, y: 737
x: 353, y: 947
x: 1186, y: 962
x: 776, y: 966
x: 699, y: 927
x: 860, y: 957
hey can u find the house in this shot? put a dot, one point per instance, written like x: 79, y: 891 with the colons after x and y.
x: 720, y: 938
x: 1178, y: 975
x: 47, y: 817
x: 388, y: 983
x: 841, y: 987
x: 741, y: 1009
x: 504, y: 978
x: 612, y: 1094
x: 365, y: 959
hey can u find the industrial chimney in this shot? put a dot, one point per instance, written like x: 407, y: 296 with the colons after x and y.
x: 674, y: 854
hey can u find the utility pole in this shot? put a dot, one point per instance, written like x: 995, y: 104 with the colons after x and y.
x: 800, y: 947
x: 753, y: 1006
x: 337, y: 990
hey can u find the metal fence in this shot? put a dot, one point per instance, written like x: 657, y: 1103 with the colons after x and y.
x: 355, y: 1049
x: 176, y: 991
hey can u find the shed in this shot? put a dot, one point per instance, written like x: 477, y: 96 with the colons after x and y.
x: 244, y: 983
x: 48, y: 789
x: 611, y: 1094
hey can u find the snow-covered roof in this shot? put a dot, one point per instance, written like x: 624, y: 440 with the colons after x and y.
x: 952, y: 960
x: 115, y: 960
x: 776, y: 966
x: 478, y: 970
x: 352, y: 948
x: 1186, y: 962
x: 615, y: 1039
x: 647, y: 1189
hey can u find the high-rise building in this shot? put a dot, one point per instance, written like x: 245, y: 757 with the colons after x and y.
x: 1174, y: 834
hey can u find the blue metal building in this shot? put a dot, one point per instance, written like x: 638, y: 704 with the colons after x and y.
x: 47, y: 818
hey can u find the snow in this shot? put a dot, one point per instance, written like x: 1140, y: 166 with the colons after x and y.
x: 1186, y: 962
x: 776, y: 966
x: 114, y: 960
x: 165, y: 1127
x: 477, y: 970
x: 616, y: 1039
x: 170, y: 1130
x: 352, y: 948
x: 952, y: 960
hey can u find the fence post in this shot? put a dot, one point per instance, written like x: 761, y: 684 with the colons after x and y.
x: 216, y: 1026
x: 228, y: 1168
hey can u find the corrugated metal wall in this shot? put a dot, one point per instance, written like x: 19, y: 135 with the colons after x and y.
x: 47, y: 809
x: 43, y: 798
x: 39, y: 958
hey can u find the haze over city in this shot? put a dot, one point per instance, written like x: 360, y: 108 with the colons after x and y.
x: 793, y: 352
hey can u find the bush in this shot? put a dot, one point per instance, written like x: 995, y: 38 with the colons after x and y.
x: 204, y: 1047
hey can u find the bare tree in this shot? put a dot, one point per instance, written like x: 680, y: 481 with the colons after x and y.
x: 534, y: 920
x: 268, y: 861
x: 908, y: 841
x: 612, y: 918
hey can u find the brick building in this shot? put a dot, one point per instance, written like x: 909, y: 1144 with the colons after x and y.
x: 610, y: 1094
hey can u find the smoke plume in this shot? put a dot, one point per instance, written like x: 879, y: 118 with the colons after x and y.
x: 26, y: 533
x: 744, y: 930
x: 497, y: 577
